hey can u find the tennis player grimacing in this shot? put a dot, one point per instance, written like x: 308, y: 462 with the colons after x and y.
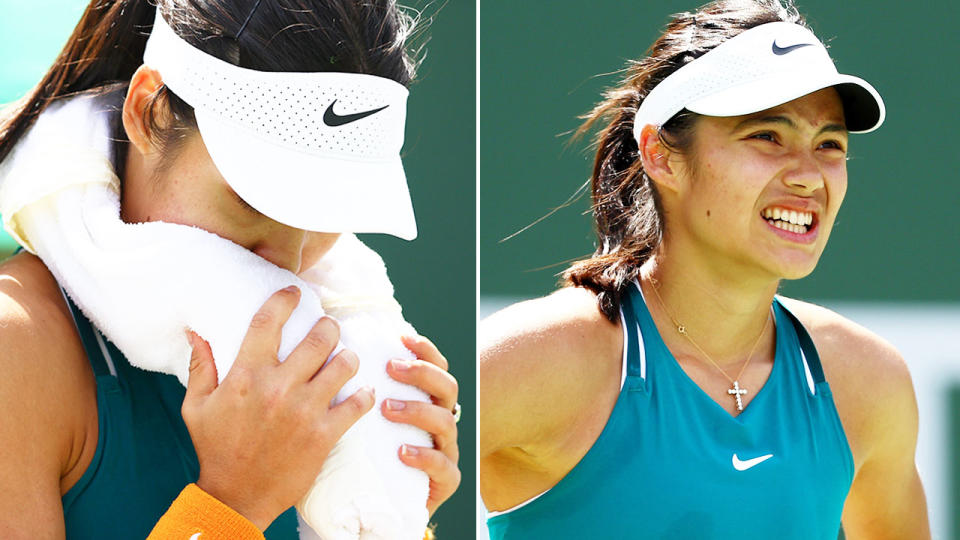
x: 667, y: 391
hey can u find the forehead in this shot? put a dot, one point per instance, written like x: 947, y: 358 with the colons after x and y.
x: 816, y: 109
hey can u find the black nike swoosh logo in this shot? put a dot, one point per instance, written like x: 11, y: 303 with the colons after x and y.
x: 780, y: 51
x: 333, y: 119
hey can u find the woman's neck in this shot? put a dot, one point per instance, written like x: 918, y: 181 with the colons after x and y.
x: 722, y: 314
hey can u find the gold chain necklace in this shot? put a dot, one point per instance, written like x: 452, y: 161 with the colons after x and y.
x: 736, y: 391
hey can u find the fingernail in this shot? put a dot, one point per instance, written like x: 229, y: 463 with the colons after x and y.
x: 191, y: 337
x: 395, y: 405
x: 400, y: 365
x: 408, y: 450
x: 292, y: 289
x: 370, y: 390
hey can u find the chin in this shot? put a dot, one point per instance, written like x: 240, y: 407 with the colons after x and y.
x: 797, y: 269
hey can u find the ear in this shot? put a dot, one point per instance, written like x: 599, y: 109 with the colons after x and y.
x: 656, y: 158
x: 143, y: 86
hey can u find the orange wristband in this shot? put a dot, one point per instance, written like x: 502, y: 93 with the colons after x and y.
x: 196, y: 512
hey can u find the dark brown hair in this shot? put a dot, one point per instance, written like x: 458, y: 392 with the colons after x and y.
x: 626, y: 206
x: 106, y: 48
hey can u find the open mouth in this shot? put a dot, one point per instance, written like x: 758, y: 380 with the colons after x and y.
x: 793, y: 221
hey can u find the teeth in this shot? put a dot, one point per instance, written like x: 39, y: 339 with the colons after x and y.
x: 790, y: 216
x: 792, y: 227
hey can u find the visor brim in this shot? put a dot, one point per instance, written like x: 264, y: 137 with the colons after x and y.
x: 863, y: 107
x: 309, y: 191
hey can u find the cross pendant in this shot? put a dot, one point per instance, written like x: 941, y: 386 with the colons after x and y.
x: 736, y: 392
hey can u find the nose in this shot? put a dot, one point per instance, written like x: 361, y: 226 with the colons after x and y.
x: 805, y: 175
x: 283, y: 246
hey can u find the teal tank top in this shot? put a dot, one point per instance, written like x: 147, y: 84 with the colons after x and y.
x: 144, y: 455
x: 664, y: 467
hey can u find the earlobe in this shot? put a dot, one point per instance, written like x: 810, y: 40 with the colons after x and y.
x: 143, y: 86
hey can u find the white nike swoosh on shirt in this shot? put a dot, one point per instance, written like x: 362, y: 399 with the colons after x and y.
x: 195, y: 537
x: 744, y: 465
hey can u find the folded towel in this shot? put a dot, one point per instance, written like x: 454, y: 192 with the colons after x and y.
x: 143, y: 284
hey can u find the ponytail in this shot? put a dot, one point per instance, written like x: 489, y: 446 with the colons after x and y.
x: 106, y: 47
x: 626, y: 205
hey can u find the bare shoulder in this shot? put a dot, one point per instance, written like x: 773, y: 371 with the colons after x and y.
x: 556, y: 358
x: 848, y: 348
x: 30, y: 303
x: 47, y: 385
x: 567, y: 318
x: 860, y: 366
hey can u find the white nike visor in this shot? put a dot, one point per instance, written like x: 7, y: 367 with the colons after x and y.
x: 315, y: 151
x: 760, y: 68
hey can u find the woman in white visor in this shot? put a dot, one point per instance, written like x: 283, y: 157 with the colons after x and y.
x: 273, y: 124
x: 667, y: 391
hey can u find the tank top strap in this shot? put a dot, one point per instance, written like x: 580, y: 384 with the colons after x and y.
x: 633, y: 341
x: 807, y: 349
x: 94, y: 344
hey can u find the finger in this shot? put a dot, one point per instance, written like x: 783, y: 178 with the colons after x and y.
x: 433, y: 419
x: 346, y: 413
x: 332, y: 376
x: 439, y: 384
x: 203, y: 371
x: 262, y: 341
x: 443, y: 472
x: 311, y: 353
x: 424, y: 349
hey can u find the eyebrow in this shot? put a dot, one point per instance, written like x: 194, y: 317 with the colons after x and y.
x: 787, y: 122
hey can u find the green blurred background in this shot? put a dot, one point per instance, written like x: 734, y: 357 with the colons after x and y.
x: 433, y: 275
x: 894, y: 256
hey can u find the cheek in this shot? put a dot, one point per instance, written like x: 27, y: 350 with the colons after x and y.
x: 724, y: 197
x: 836, y: 189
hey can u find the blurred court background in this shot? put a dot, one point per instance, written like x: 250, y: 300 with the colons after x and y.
x: 433, y: 275
x: 893, y: 261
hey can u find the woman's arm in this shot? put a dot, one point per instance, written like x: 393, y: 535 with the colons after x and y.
x: 549, y: 378
x: 46, y: 395
x: 875, y: 398
x: 886, y: 499
x: 33, y: 438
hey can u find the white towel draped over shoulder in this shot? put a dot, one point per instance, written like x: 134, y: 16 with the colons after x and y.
x: 143, y: 284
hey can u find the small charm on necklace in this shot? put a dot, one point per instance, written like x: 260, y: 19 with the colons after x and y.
x: 682, y: 329
x: 736, y: 392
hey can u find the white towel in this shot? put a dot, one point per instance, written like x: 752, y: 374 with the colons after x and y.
x: 143, y: 284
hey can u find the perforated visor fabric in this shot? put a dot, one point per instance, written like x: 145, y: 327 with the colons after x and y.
x: 343, y: 196
x: 316, y: 151
x: 760, y: 68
